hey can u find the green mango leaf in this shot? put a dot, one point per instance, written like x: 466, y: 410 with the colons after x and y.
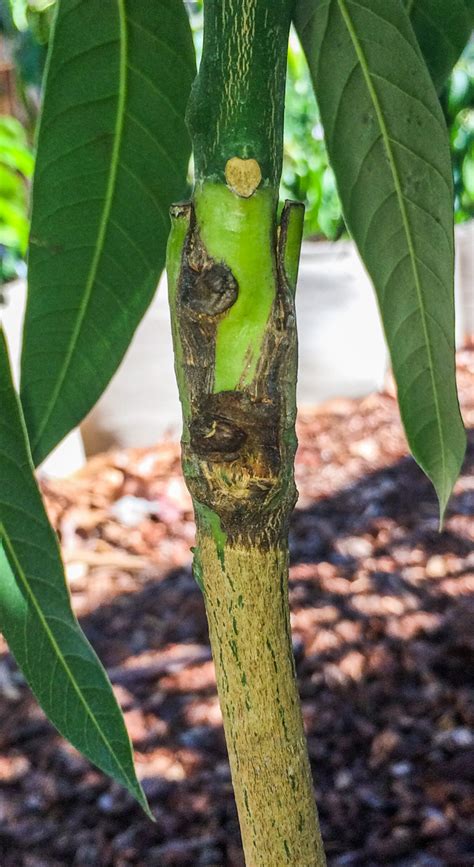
x: 388, y: 146
x: 35, y: 610
x: 443, y: 28
x: 113, y: 154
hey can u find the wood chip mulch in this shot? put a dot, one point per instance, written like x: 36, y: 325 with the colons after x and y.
x: 382, y: 616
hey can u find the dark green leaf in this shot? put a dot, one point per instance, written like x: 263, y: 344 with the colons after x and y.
x: 442, y: 28
x: 388, y: 146
x: 35, y: 610
x: 113, y: 153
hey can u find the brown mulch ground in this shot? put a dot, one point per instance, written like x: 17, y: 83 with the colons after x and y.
x: 382, y: 613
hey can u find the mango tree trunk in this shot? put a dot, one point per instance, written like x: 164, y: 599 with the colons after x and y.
x: 232, y: 271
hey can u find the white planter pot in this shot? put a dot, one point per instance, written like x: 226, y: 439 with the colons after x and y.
x: 464, y: 236
x: 69, y: 456
x: 342, y: 351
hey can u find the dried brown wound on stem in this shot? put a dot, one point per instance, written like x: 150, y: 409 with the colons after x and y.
x: 238, y: 446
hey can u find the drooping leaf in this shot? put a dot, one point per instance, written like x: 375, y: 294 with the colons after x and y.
x: 113, y: 152
x: 388, y: 146
x: 442, y: 29
x: 35, y: 610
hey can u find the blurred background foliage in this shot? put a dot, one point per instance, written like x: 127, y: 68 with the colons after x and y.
x: 307, y: 175
x: 24, y: 32
x: 16, y: 169
x: 458, y: 104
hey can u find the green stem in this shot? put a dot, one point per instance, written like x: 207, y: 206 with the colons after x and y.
x: 232, y: 274
x: 237, y: 104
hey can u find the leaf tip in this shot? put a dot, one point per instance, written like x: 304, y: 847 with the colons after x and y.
x: 443, y: 504
x: 444, y: 486
x: 143, y: 802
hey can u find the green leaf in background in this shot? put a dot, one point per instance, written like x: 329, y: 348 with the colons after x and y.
x: 35, y: 610
x: 442, y: 28
x: 16, y: 168
x: 113, y: 153
x: 14, y: 150
x: 388, y: 146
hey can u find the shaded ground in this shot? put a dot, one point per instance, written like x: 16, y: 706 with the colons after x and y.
x: 382, y: 613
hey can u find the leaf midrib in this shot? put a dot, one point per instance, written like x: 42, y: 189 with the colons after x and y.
x: 58, y: 655
x: 401, y: 202
x: 114, y: 165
